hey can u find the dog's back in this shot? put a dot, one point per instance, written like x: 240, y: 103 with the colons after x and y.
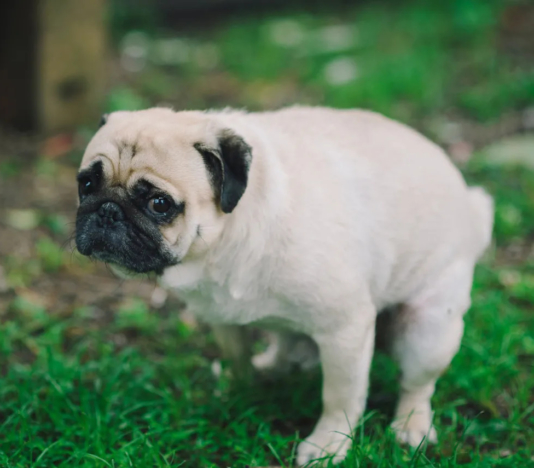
x: 369, y: 190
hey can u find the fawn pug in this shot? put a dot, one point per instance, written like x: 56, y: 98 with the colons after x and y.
x: 307, y: 221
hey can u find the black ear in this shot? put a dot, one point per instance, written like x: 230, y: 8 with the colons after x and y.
x: 228, y: 167
x: 103, y: 120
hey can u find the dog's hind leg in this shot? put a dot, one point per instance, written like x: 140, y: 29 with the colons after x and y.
x: 426, y: 335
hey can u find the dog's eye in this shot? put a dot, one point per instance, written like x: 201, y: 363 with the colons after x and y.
x: 159, y: 205
x: 85, y: 187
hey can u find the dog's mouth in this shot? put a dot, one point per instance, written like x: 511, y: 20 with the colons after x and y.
x: 130, y: 253
x: 125, y: 266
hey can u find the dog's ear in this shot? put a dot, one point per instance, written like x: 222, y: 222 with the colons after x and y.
x: 103, y: 120
x: 228, y: 166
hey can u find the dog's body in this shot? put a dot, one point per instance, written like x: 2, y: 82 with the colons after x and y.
x: 341, y: 214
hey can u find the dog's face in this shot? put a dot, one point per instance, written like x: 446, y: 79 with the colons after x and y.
x: 155, y: 187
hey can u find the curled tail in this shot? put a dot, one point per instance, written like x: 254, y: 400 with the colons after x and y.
x: 483, y: 211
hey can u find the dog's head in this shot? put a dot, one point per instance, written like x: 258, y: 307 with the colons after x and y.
x: 155, y: 186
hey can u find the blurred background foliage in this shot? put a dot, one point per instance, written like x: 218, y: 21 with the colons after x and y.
x: 409, y: 60
x: 98, y: 372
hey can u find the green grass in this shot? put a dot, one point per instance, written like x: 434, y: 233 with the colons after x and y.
x: 135, y: 389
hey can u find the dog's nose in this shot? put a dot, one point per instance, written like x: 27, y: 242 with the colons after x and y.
x: 110, y: 213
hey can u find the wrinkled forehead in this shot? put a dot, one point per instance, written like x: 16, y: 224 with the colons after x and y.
x: 155, y: 146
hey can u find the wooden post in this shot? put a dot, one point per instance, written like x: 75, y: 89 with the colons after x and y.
x: 52, y: 63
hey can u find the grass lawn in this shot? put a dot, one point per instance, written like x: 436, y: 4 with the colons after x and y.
x: 109, y: 383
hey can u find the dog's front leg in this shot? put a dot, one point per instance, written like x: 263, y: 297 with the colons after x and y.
x: 234, y: 342
x: 346, y: 355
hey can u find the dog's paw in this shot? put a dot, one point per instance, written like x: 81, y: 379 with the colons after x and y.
x: 323, y: 446
x: 268, y: 362
x: 414, y: 430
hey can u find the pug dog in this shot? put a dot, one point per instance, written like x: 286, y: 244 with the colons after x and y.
x: 305, y: 221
